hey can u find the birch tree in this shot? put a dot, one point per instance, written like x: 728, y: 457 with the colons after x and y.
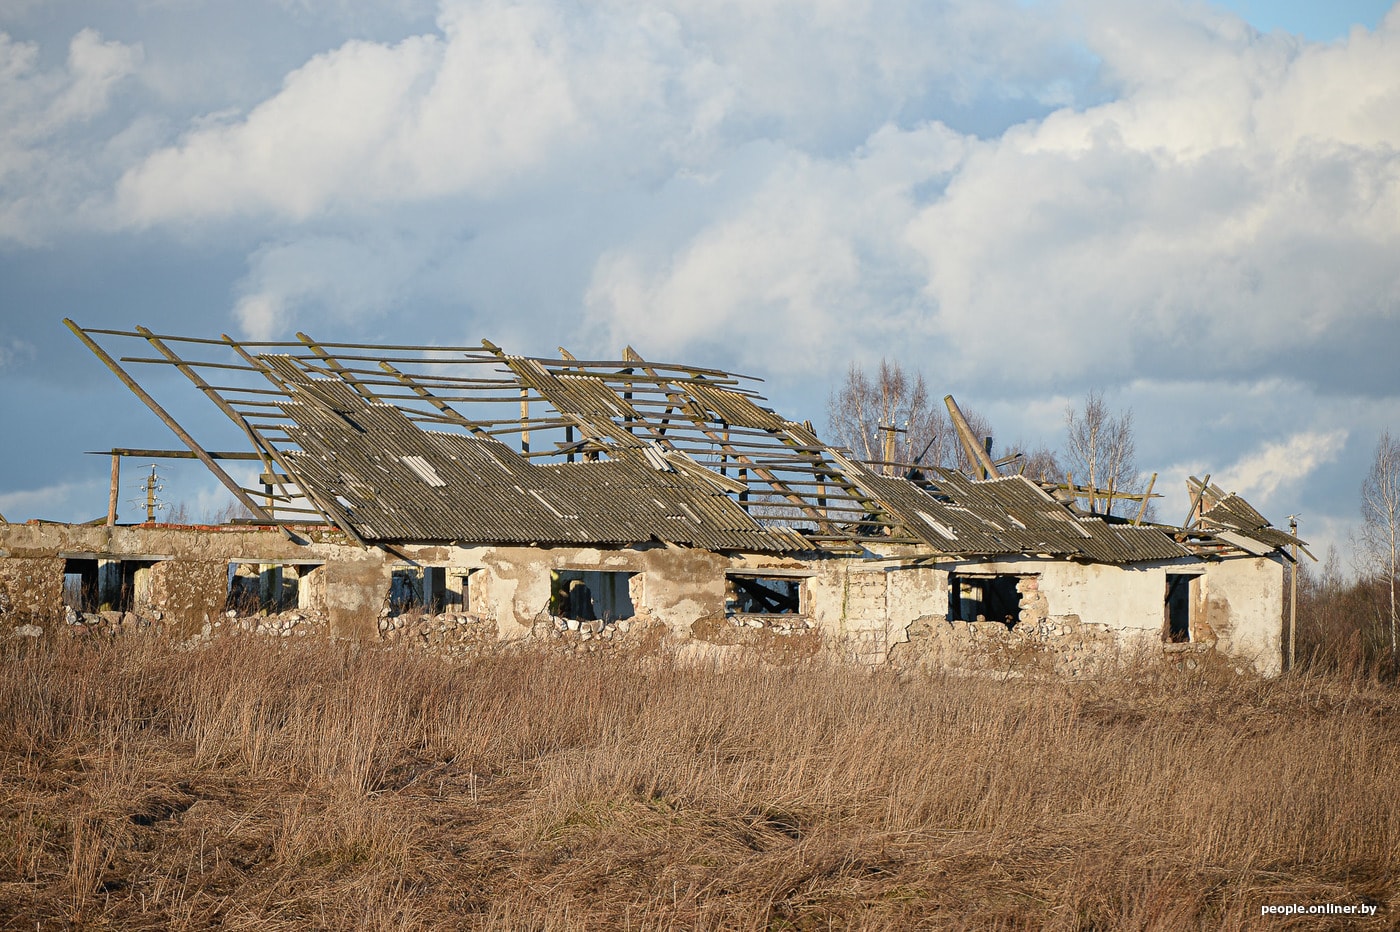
x: 1380, y: 515
x: 862, y: 411
x: 1101, y: 447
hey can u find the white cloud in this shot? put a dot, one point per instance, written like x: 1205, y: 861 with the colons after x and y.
x: 338, y: 279
x: 491, y: 97
x: 505, y: 92
x: 19, y: 506
x: 806, y: 264
x: 1239, y: 200
x: 42, y: 178
x: 1224, y: 217
x: 1280, y: 464
x: 13, y: 349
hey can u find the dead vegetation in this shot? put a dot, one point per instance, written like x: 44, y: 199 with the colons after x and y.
x: 306, y: 785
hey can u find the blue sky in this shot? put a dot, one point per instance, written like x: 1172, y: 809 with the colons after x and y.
x: 1317, y: 19
x: 1193, y: 207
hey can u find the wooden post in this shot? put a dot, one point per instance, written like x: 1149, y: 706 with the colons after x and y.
x: 975, y: 453
x: 1146, y: 497
x: 1293, y: 596
x: 1191, y: 516
x: 112, y: 492
x: 524, y: 419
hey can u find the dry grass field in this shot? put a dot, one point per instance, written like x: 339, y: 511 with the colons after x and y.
x: 252, y: 785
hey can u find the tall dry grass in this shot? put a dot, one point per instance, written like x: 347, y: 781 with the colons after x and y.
x: 265, y: 786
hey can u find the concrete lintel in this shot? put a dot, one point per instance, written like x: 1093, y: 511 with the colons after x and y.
x: 279, y: 561
x: 770, y: 571
x: 123, y: 557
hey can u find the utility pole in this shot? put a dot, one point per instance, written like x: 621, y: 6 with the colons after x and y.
x: 151, y: 485
x: 1293, y: 593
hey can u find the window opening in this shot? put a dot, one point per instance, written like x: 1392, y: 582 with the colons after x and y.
x: 269, y: 588
x: 406, y: 590
x: 1181, y: 598
x: 123, y: 585
x: 591, y: 595
x: 995, y: 597
x: 456, y: 588
x: 747, y: 594
x: 80, y: 588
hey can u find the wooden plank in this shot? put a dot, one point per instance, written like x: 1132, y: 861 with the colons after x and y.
x: 224, y: 478
x: 1146, y: 497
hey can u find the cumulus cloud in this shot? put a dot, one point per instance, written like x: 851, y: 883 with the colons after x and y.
x: 805, y: 261
x: 336, y: 279
x: 41, y: 179
x: 503, y: 92
x: 1260, y: 473
x: 48, y: 499
x: 1236, y: 200
x: 464, y: 111
x: 13, y: 349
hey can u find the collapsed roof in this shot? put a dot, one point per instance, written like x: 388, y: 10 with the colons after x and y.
x: 475, y: 445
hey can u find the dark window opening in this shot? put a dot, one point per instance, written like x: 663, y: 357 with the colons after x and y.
x: 123, y: 585
x: 429, y: 590
x: 268, y: 588
x: 762, y: 595
x: 80, y: 586
x: 591, y: 595
x: 984, y: 598
x: 406, y: 590
x: 1181, y: 591
x: 435, y: 589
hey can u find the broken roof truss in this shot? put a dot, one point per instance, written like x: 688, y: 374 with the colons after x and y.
x: 474, y: 445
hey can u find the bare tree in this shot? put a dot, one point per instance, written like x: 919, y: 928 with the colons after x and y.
x: 1101, y: 448
x: 1041, y: 464
x: 890, y: 417
x: 1380, y: 515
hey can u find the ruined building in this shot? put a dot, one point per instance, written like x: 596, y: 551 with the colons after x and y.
x: 541, y: 497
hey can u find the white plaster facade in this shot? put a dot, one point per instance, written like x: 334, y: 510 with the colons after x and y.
x: 859, y: 608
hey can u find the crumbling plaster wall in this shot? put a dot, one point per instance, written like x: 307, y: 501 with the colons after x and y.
x: 512, y: 584
x: 860, y: 609
x: 189, y: 577
x: 863, y: 609
x: 1241, y: 611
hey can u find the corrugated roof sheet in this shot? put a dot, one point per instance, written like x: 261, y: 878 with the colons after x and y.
x: 1230, y: 512
x: 371, y: 459
x: 1011, y: 515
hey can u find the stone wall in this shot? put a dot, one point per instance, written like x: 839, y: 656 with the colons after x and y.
x: 1060, y: 644
x: 189, y: 594
x: 31, y: 589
